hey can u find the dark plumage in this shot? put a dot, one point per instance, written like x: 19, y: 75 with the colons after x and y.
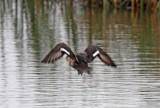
x: 78, y: 61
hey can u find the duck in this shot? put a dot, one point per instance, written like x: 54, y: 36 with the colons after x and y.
x: 78, y: 61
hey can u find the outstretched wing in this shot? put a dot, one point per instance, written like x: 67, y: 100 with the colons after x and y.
x: 94, y: 51
x: 57, y: 52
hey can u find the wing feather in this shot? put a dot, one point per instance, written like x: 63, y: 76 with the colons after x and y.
x: 104, y: 57
x: 57, y: 52
x: 91, y: 53
x: 94, y: 51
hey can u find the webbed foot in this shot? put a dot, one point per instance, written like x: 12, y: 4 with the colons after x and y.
x: 80, y: 73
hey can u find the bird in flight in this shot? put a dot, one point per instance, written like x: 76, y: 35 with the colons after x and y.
x: 79, y: 61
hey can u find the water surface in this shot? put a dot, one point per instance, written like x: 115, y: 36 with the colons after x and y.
x: 29, y: 29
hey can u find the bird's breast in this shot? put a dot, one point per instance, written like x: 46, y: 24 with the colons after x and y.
x: 70, y: 61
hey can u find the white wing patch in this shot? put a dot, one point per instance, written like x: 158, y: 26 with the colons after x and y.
x: 64, y: 50
x: 96, y: 53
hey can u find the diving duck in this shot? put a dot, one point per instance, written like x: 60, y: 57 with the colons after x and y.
x: 78, y: 61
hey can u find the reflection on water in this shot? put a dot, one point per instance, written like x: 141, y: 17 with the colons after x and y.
x: 28, y: 29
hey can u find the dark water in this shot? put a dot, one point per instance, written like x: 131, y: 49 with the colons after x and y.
x: 29, y: 29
